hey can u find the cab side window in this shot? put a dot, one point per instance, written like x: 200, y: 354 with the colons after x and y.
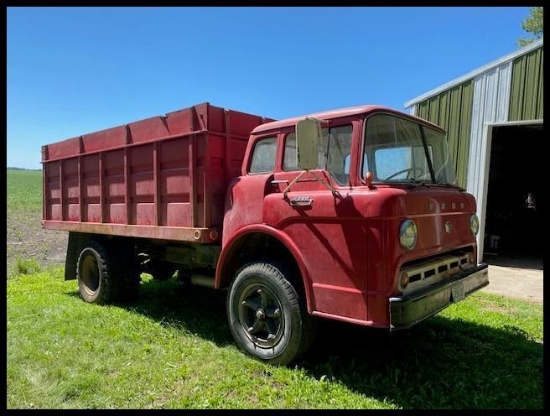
x: 339, y: 148
x: 263, y: 156
x: 334, y: 152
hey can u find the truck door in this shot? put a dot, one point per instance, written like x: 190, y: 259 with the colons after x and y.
x: 326, y: 226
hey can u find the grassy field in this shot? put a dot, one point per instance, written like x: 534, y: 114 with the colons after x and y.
x: 24, y: 191
x: 28, y: 245
x: 172, y: 349
x: 24, y: 204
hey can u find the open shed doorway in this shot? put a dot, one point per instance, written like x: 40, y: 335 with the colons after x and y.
x: 515, y: 196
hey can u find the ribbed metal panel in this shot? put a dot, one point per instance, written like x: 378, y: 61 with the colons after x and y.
x: 527, y: 92
x: 490, y: 105
x: 452, y: 110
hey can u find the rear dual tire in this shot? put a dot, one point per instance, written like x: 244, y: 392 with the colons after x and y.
x: 105, y: 278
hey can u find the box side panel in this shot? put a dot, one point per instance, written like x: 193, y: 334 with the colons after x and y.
x: 174, y: 183
x: 52, y: 191
x: 91, y: 188
x: 70, y: 190
x: 168, y: 171
x: 114, y: 186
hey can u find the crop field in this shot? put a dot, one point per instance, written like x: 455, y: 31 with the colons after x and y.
x: 172, y: 348
x: 28, y: 245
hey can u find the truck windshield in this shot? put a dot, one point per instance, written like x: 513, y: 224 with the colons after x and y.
x: 399, y: 150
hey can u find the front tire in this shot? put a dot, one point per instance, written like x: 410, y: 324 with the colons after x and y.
x: 266, y: 315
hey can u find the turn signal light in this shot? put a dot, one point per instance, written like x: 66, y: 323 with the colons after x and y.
x: 404, y: 280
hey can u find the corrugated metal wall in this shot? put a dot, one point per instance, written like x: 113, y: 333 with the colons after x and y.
x: 526, y: 97
x: 452, y: 110
x: 490, y: 105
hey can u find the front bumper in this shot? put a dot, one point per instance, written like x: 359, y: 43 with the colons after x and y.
x: 408, y: 310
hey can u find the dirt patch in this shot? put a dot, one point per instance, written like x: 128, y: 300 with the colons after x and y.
x: 27, y: 240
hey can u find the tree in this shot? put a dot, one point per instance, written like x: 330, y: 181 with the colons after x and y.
x: 532, y: 24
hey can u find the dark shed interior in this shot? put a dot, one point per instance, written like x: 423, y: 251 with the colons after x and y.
x: 515, y: 194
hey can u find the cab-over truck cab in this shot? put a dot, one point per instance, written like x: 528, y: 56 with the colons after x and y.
x: 353, y: 215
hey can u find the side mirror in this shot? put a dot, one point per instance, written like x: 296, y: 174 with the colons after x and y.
x: 308, y: 137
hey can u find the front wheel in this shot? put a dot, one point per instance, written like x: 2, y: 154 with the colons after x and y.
x: 266, y: 315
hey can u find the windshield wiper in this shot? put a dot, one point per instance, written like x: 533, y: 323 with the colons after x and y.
x: 421, y: 182
x: 449, y: 185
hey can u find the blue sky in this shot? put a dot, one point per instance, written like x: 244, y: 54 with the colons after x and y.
x: 72, y: 71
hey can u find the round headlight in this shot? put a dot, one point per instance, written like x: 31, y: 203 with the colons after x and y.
x: 474, y: 224
x: 408, y: 234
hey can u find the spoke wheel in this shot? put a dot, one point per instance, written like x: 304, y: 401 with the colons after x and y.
x: 260, y: 313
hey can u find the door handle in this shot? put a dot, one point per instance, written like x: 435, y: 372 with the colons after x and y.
x: 278, y: 181
x: 301, y: 201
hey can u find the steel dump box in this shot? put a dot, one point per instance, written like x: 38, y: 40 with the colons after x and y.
x: 164, y: 177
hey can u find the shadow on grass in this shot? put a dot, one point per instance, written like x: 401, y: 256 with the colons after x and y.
x: 199, y: 310
x: 440, y: 364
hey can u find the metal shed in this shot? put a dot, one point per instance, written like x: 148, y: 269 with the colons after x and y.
x: 494, y: 119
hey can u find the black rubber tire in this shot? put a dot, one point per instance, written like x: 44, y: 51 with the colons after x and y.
x: 97, y: 280
x: 267, y: 317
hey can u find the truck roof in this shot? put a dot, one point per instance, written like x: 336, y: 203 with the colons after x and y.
x: 331, y: 114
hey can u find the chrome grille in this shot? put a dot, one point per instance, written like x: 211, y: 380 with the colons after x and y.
x: 434, y: 270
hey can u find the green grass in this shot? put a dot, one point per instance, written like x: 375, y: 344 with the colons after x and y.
x: 24, y: 192
x: 25, y: 266
x: 172, y: 349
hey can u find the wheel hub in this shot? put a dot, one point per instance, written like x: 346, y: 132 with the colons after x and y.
x: 260, y: 314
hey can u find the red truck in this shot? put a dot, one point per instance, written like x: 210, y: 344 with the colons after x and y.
x: 352, y: 214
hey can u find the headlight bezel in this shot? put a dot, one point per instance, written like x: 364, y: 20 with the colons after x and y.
x: 408, y: 234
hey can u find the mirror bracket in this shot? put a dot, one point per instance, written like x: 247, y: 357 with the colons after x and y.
x: 317, y: 178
